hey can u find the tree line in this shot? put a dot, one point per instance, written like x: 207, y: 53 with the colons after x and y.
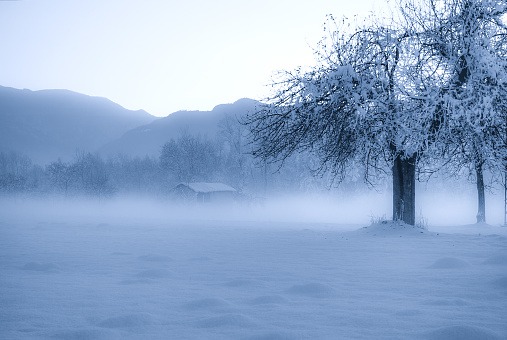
x: 189, y: 158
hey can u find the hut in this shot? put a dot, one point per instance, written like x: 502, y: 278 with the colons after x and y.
x: 205, y: 192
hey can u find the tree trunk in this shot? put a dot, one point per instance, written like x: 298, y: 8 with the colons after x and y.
x: 404, y: 189
x: 505, y: 196
x: 481, y: 212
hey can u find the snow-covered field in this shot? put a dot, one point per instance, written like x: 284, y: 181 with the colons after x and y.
x: 104, y: 271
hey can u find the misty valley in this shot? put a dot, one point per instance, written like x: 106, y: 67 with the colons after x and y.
x: 364, y: 198
x: 97, y: 245
x: 64, y: 157
x: 63, y: 160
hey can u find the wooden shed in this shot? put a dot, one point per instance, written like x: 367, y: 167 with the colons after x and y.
x: 205, y: 192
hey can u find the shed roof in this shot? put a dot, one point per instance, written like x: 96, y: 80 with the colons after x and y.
x: 208, y: 187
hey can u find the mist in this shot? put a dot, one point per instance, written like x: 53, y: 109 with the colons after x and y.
x: 338, y: 208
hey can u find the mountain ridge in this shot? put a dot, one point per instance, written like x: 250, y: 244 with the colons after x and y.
x: 47, y: 125
x: 50, y: 124
x: 148, y: 139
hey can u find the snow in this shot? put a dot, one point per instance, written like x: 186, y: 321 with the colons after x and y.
x: 103, y: 271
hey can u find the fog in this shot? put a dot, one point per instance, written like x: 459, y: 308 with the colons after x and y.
x: 336, y: 207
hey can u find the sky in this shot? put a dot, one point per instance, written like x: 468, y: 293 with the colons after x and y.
x: 162, y: 55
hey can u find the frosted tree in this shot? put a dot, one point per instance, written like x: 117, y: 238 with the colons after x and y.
x: 134, y: 174
x: 14, y: 172
x: 353, y: 107
x: 61, y: 175
x: 465, y: 43
x: 381, y: 95
x: 232, y: 134
x: 91, y: 176
x: 190, y: 158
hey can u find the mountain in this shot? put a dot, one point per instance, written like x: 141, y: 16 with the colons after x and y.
x: 149, y: 139
x: 49, y: 124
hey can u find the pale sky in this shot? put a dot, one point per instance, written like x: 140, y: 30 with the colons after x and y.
x: 162, y: 55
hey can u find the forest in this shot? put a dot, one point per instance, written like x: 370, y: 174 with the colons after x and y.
x: 189, y: 158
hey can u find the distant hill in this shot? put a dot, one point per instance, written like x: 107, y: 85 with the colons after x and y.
x: 148, y: 139
x: 49, y: 124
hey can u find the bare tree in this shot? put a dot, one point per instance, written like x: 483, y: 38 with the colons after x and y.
x: 189, y: 158
x: 91, y: 176
x: 237, y: 162
x: 61, y: 175
x: 14, y: 172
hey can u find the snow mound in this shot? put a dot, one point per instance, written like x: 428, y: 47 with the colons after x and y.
x: 134, y: 282
x: 496, y: 260
x: 207, y: 303
x: 449, y: 263
x: 126, y: 321
x: 461, y: 333
x: 40, y: 267
x: 200, y: 259
x: 155, y: 258
x: 446, y: 302
x: 86, y: 334
x: 242, y: 283
x: 271, y: 336
x: 391, y: 228
x: 314, y: 290
x: 268, y: 299
x: 500, y: 283
x: 408, y: 312
x: 227, y: 320
x: 154, y: 274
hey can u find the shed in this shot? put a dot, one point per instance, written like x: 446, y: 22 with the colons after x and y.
x: 205, y: 192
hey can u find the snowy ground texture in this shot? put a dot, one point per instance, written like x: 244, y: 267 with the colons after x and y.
x: 86, y: 275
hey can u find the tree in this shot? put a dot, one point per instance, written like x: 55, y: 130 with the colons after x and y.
x: 189, y: 158
x: 351, y: 108
x: 134, y: 174
x: 237, y: 163
x: 387, y: 96
x: 61, y: 175
x: 467, y: 39
x: 91, y: 175
x: 14, y: 172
